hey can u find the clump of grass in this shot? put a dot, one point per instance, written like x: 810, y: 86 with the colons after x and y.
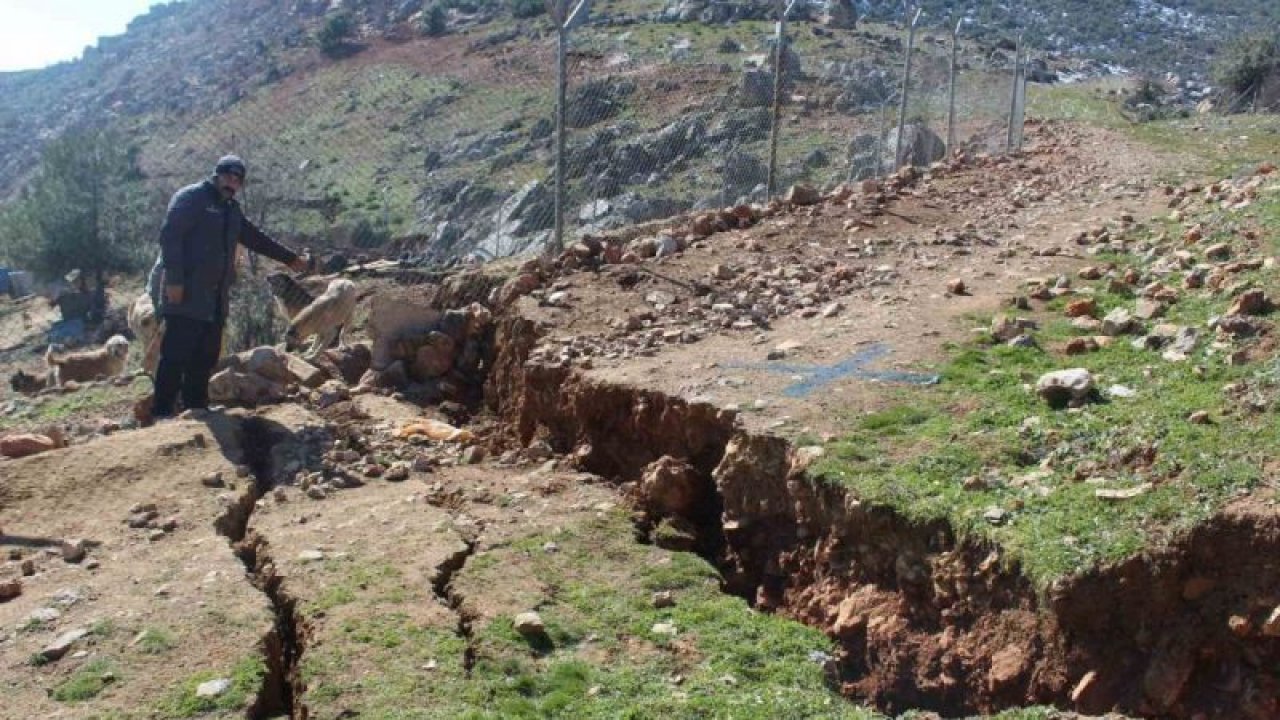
x: 86, y: 683
x: 155, y: 641
x: 246, y: 680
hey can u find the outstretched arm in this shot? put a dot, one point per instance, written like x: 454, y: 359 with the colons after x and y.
x: 259, y: 242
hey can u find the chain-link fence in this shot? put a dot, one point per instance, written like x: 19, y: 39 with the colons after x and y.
x: 441, y: 148
x: 672, y: 117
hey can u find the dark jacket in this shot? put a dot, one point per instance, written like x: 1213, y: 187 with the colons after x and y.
x: 198, y: 249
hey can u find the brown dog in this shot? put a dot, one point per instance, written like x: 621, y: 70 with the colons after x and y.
x: 106, y: 361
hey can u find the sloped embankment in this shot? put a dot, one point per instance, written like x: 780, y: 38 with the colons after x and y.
x: 924, y: 618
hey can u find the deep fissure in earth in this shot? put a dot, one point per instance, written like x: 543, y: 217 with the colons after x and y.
x: 923, y: 619
x: 284, y: 645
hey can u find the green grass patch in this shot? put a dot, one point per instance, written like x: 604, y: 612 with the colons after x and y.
x: 86, y: 683
x: 155, y: 641
x: 607, y: 653
x: 1216, y: 145
x: 86, y: 401
x: 246, y: 679
x: 984, y: 453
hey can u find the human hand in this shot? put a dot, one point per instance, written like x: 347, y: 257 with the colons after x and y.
x: 173, y: 294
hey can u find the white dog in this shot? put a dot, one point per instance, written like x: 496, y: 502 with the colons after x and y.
x: 106, y: 361
x: 325, y: 318
x: 149, y: 329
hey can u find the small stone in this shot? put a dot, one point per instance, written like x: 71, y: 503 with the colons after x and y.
x: 473, y: 455
x: 141, y: 520
x: 956, y: 286
x: 316, y: 492
x: 1080, y: 346
x: 62, y: 644
x: 213, y: 480
x: 1220, y: 251
x: 995, y: 515
x: 73, y: 551
x: 28, y: 567
x: 1118, y: 322
x: 1271, y: 628
x: 1086, y: 307
x: 1240, y: 626
x: 663, y: 599
x: 213, y: 688
x: 1149, y: 309
x: 530, y: 625
x: 1199, y: 417
x: 1251, y: 302
x: 307, y: 556
x: 664, y: 628
x: 398, y: 473
x: 44, y: 616
x: 1124, y: 493
x: 10, y: 590
x: 155, y: 535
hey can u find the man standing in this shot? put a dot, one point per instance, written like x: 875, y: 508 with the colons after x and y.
x: 202, y: 228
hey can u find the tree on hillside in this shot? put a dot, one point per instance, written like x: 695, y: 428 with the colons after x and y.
x: 332, y: 36
x: 435, y: 21
x: 1247, y: 65
x: 83, y: 210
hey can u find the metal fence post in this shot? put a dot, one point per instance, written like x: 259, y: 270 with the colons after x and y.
x: 1013, y: 96
x: 565, y: 21
x: 1020, y: 115
x: 906, y: 82
x: 562, y: 39
x: 780, y: 42
x: 951, y: 94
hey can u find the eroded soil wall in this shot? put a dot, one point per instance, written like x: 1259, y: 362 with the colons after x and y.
x: 923, y: 619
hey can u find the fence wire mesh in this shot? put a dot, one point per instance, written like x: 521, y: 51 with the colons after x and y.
x: 445, y: 149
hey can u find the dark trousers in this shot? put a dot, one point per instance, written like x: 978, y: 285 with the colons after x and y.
x: 188, y: 354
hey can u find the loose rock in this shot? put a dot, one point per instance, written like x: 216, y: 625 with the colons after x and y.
x: 1065, y: 387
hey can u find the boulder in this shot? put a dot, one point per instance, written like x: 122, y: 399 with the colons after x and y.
x: 1065, y: 387
x: 25, y: 444
x: 801, y: 195
x: 672, y: 487
x: 435, y: 357
x: 232, y: 387
x: 921, y: 146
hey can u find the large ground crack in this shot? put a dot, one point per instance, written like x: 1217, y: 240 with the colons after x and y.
x: 443, y: 587
x: 284, y: 644
x: 924, y: 617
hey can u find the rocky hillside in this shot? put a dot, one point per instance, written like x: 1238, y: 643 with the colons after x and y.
x: 365, y: 123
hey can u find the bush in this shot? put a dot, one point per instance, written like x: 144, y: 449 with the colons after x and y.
x: 1246, y: 64
x: 527, y: 8
x: 332, y: 37
x: 435, y: 21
